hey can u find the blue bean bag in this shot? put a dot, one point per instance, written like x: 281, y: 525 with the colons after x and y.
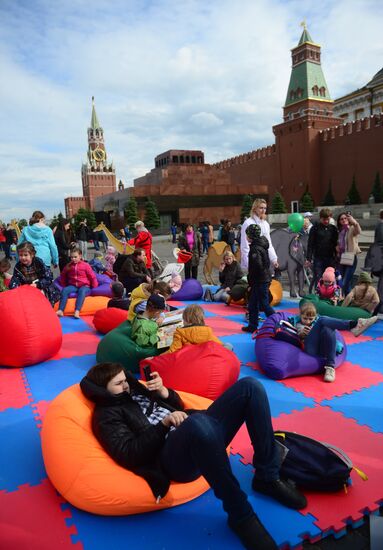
x: 280, y: 360
x: 191, y: 289
x: 103, y: 288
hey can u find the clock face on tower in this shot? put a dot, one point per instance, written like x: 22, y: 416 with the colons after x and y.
x: 99, y: 154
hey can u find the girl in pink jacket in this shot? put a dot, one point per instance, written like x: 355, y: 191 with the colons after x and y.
x: 77, y: 277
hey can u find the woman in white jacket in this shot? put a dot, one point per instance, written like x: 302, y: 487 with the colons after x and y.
x: 258, y: 216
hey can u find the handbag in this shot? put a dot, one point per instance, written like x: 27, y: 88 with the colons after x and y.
x: 347, y: 258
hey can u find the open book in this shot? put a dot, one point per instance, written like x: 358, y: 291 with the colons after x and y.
x: 172, y: 320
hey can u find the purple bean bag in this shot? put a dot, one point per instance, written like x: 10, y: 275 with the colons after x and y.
x: 191, y: 289
x: 280, y: 360
x: 103, y: 288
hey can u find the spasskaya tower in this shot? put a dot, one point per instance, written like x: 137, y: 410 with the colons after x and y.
x: 97, y: 174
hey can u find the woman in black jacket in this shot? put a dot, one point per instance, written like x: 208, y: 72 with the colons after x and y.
x: 230, y: 275
x: 147, y: 430
x: 63, y: 238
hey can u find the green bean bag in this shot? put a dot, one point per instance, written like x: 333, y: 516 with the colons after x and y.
x: 325, y: 307
x: 118, y: 347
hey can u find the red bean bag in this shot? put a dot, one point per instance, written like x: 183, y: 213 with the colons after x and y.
x: 203, y: 369
x: 86, y: 476
x: 30, y: 330
x: 109, y: 318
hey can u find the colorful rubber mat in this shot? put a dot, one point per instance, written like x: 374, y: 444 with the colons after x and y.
x: 347, y: 413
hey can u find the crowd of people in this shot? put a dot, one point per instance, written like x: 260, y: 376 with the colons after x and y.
x: 145, y: 428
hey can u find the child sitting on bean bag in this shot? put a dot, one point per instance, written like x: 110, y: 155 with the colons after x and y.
x: 145, y: 324
x: 317, y: 333
x: 30, y: 270
x: 5, y: 277
x: 118, y: 300
x: 141, y: 293
x: 96, y: 263
x: 327, y: 287
x: 175, y: 282
x: 194, y: 330
x: 110, y: 258
x: 363, y: 295
x: 77, y: 277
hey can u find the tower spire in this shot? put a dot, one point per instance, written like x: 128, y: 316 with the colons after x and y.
x: 307, y: 85
x: 94, y: 124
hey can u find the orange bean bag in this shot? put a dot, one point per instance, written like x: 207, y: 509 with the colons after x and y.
x: 109, y: 318
x: 276, y: 292
x: 91, y: 305
x: 84, y: 473
x: 202, y: 369
x: 30, y: 330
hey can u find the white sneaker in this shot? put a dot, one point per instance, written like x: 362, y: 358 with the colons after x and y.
x: 59, y: 313
x: 329, y: 374
x: 363, y: 324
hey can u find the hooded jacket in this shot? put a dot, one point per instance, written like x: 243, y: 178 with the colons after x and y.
x: 41, y: 236
x: 192, y: 335
x: 126, y: 434
x: 79, y: 274
x: 259, y: 262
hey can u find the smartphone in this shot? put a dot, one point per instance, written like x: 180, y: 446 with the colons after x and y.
x: 348, y: 212
x: 147, y: 372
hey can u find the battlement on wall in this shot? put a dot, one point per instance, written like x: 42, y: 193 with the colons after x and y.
x: 257, y: 154
x: 75, y: 199
x: 354, y: 127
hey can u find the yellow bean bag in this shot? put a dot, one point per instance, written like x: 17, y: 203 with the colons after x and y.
x: 84, y: 473
x: 276, y: 291
x: 90, y: 306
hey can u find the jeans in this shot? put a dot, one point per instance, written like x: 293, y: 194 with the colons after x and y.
x: 81, y: 292
x: 321, y: 340
x: 205, y: 244
x: 347, y: 271
x: 198, y: 446
x: 83, y: 245
x: 259, y: 299
x: 191, y: 271
x: 221, y: 295
x: 319, y: 265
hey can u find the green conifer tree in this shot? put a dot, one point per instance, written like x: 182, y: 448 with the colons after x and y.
x: 307, y: 201
x: 353, y: 193
x: 82, y: 214
x: 278, y: 205
x: 152, y: 217
x: 131, y: 212
x: 329, y: 199
x: 377, y: 189
x: 246, y: 207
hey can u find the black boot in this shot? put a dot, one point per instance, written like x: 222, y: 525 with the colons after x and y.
x: 284, y: 491
x: 252, y: 534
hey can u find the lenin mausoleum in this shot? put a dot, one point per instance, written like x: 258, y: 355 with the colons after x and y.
x: 319, y: 140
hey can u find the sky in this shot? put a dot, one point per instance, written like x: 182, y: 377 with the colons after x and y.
x: 164, y: 74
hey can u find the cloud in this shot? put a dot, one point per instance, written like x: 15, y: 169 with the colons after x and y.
x: 198, y: 75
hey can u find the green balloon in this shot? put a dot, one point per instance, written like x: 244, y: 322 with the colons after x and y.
x: 295, y: 222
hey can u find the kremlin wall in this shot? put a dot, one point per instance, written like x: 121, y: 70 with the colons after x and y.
x: 312, y: 147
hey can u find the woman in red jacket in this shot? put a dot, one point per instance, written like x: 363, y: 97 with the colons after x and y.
x: 77, y: 277
x: 143, y: 240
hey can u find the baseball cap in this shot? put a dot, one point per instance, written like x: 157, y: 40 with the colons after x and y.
x: 156, y: 301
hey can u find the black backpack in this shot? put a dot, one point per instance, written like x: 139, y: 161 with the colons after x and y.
x: 314, y: 465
